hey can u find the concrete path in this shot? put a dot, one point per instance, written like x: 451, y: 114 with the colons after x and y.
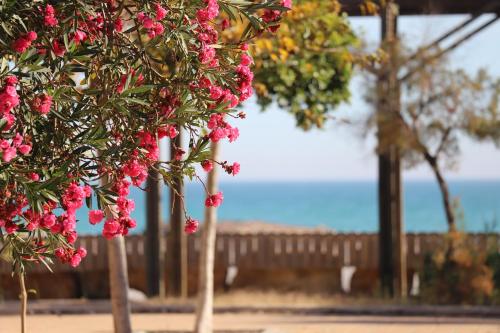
x: 255, y: 323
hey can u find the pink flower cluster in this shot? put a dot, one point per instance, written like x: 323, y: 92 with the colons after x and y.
x: 206, y: 34
x: 64, y: 224
x: 58, y: 48
x: 233, y: 169
x: 23, y: 43
x: 71, y: 256
x: 208, y: 13
x: 11, y: 205
x: 148, y: 142
x: 10, y: 149
x: 42, y: 103
x: 169, y: 131
x: 207, y: 165
x: 191, y: 226
x: 214, y: 200
x: 271, y: 16
x: 221, y: 129
x: 9, y: 99
x: 245, y: 77
x: 137, y: 79
x: 153, y: 26
x: 49, y: 18
x: 121, y: 222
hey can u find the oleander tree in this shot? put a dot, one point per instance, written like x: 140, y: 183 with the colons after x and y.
x: 306, y: 66
x: 86, y: 92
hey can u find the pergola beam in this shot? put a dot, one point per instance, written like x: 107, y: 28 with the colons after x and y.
x: 427, y: 7
x: 453, y: 46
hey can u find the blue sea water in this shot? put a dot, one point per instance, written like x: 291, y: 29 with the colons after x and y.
x: 342, y: 206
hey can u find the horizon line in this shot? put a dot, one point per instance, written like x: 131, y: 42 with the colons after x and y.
x: 294, y: 180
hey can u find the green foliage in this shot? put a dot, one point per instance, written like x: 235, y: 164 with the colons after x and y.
x: 307, y: 65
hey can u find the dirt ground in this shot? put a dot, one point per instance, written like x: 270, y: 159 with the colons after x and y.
x: 253, y: 323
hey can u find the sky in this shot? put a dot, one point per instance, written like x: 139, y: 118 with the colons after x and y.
x: 271, y: 148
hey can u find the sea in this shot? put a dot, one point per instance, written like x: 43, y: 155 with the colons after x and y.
x: 344, y: 206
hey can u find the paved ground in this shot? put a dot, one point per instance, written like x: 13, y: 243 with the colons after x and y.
x: 253, y: 323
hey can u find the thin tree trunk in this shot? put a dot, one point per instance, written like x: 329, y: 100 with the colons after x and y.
x: 23, y: 296
x: 204, y: 310
x: 445, y: 194
x: 118, y: 281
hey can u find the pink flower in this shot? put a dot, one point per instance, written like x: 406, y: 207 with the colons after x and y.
x: 72, y: 198
x: 118, y: 25
x: 87, y: 190
x: 147, y: 22
x: 71, y: 237
x: 206, y: 55
x: 169, y: 131
x: 214, y: 121
x: 235, y: 168
x: 4, y: 144
x: 234, y: 133
x: 49, y: 18
x: 246, y: 60
x: 9, y: 154
x: 133, y: 168
x: 17, y: 140
x: 215, y: 92
x: 225, y: 24
x: 160, y: 12
x: 217, y: 134
x: 24, y: 149
x: 96, y: 216
x: 11, y: 80
x: 9, y: 121
x: 31, y: 36
x: 34, y: 176
x: 111, y: 229
x: 82, y: 252
x: 207, y: 165
x: 75, y: 260
x: 79, y: 37
x: 214, y: 200
x: 208, y: 13
x: 191, y: 226
x: 244, y: 47
x: 287, y: 4
x: 158, y: 29
x: 125, y: 206
x: 48, y: 221
x: 59, y: 50
x: 179, y: 152
x: 23, y: 43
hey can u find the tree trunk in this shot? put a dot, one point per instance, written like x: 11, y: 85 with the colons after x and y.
x: 118, y: 281
x: 445, y: 194
x: 204, y: 310
x: 23, y: 296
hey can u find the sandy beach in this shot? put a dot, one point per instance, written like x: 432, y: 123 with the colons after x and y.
x: 253, y: 323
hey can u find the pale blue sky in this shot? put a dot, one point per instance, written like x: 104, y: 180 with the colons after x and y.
x: 271, y: 148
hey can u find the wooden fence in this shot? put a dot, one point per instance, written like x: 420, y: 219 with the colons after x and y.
x: 277, y: 251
